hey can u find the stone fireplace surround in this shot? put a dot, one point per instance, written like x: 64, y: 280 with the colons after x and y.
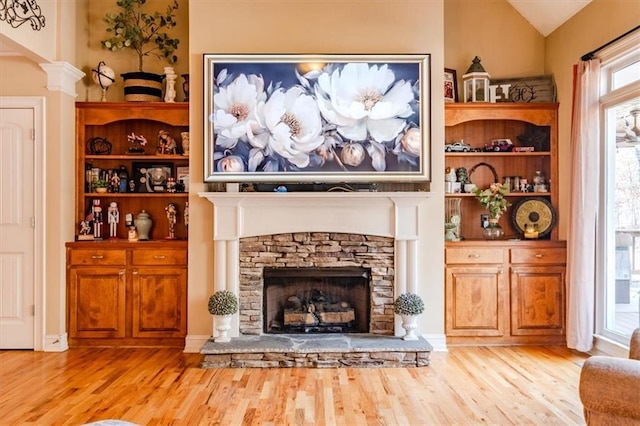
x: 249, y: 216
x: 316, y: 250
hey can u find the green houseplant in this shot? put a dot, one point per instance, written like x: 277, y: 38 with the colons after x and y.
x: 222, y: 305
x: 493, y: 199
x: 147, y: 35
x: 409, y: 306
x: 99, y: 185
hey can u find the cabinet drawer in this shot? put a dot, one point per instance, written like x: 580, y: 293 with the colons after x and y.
x: 160, y: 257
x: 541, y: 256
x: 473, y: 255
x: 97, y: 257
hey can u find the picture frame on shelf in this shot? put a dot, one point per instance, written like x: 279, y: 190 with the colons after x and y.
x: 450, y: 85
x: 151, y: 177
x: 182, y: 174
x: 384, y: 135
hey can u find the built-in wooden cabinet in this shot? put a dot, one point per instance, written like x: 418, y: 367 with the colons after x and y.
x: 127, y: 294
x: 478, y: 124
x: 102, y: 145
x: 121, y: 292
x: 509, y: 291
x: 505, y: 292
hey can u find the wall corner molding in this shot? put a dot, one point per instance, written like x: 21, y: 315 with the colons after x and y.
x: 62, y: 77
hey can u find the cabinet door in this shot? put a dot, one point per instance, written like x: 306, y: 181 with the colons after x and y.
x: 537, y: 300
x: 96, y: 302
x: 159, y: 302
x: 475, y: 301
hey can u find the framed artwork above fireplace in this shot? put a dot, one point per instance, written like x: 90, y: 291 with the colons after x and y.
x: 317, y: 118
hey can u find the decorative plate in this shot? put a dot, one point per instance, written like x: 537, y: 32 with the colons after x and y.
x: 534, y: 210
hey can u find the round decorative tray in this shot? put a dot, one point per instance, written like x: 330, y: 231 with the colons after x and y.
x: 534, y: 210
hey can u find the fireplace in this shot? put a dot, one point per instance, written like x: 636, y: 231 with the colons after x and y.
x: 257, y: 231
x: 316, y: 300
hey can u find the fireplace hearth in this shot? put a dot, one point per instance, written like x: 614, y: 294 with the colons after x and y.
x: 316, y: 300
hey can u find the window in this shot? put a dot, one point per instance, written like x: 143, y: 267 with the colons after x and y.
x: 618, y: 297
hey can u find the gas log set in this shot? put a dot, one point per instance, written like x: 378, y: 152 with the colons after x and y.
x: 315, y: 313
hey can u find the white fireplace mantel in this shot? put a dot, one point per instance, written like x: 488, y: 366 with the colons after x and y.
x: 241, y: 214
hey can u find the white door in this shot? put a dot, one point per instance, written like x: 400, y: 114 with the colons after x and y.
x: 17, y: 233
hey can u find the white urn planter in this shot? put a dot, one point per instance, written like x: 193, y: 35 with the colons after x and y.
x: 223, y: 325
x: 409, y: 323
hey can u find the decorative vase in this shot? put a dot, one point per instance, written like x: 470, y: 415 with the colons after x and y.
x: 223, y: 325
x: 409, y: 323
x: 142, y: 86
x: 185, y: 143
x: 170, y: 90
x: 143, y: 225
x: 493, y: 231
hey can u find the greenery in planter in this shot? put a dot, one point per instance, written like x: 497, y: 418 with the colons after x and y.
x: 145, y: 33
x: 99, y: 183
x: 223, y: 302
x: 408, y: 304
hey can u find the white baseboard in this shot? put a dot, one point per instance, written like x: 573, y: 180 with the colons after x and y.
x: 438, y: 341
x: 194, y: 342
x: 56, y: 343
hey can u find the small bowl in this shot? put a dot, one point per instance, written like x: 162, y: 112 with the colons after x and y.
x: 469, y: 187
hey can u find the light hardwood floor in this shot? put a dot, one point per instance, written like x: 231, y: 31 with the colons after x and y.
x: 467, y: 385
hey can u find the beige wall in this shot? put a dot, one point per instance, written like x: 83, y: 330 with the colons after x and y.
x: 491, y: 29
x: 40, y: 45
x: 315, y: 27
x: 92, y: 30
x: 586, y: 31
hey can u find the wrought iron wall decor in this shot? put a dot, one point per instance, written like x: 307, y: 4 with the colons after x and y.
x: 17, y: 12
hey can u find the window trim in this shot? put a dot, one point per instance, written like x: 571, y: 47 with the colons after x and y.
x: 613, y: 59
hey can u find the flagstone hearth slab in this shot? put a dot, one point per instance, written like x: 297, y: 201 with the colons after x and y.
x: 318, y: 350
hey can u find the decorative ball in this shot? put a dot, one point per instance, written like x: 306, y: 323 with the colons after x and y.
x: 103, y: 75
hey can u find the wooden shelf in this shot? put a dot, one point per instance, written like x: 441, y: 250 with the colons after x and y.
x: 136, y: 195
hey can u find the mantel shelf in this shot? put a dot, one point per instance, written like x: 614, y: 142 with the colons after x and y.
x: 497, y: 154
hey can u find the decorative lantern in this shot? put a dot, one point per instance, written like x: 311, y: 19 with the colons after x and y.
x: 476, y: 83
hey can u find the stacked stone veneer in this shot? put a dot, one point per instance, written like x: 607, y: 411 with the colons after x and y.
x: 316, y: 250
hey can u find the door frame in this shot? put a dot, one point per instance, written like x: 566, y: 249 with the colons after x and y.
x: 37, y: 104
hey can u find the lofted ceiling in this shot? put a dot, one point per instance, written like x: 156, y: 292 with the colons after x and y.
x: 547, y: 15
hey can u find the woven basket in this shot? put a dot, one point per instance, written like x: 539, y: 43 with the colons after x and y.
x: 142, y: 86
x: 489, y: 166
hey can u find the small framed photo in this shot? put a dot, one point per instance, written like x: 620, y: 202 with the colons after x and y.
x: 182, y: 174
x: 450, y: 85
x: 151, y: 177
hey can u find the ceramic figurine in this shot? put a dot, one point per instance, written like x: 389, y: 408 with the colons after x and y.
x: 114, y: 219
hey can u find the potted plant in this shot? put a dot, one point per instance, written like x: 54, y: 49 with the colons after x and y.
x: 222, y: 305
x: 409, y: 306
x: 100, y: 185
x: 493, y: 199
x: 146, y: 34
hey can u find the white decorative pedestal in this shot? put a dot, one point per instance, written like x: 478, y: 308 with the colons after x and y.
x: 409, y: 323
x: 223, y: 325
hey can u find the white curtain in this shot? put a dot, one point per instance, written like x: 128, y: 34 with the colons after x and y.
x: 583, y: 208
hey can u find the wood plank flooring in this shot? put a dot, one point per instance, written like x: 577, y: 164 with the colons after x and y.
x: 467, y: 385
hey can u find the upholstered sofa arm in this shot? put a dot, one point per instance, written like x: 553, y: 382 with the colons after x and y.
x: 610, y: 386
x: 634, y: 346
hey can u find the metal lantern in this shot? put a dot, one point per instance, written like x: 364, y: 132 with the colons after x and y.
x: 476, y: 83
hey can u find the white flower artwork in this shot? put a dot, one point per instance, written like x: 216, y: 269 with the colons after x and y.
x: 339, y: 118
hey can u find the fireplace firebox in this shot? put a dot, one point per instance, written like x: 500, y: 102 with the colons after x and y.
x: 316, y: 300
